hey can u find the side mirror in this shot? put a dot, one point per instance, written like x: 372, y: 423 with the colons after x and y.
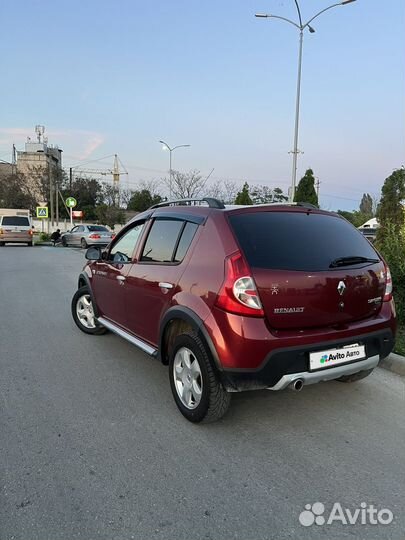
x: 93, y: 254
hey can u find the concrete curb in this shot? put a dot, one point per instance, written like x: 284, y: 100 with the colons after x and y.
x: 394, y: 363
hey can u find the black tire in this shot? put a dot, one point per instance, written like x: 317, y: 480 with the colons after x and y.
x: 97, y: 329
x: 215, y: 399
x: 2, y: 244
x: 355, y: 376
x: 83, y: 243
x: 64, y: 243
x: 30, y: 244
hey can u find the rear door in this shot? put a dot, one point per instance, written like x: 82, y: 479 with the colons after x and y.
x: 153, y: 280
x: 311, y: 269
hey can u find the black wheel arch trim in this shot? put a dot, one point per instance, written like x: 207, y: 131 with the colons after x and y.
x: 85, y: 278
x: 186, y: 314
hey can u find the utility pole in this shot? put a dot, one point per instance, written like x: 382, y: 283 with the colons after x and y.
x: 301, y: 26
x: 166, y: 146
x: 116, y: 181
x: 51, y: 194
x: 57, y: 198
x: 14, y: 161
x: 70, y: 180
x: 317, y: 184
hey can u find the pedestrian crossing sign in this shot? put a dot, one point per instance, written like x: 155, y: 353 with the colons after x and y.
x: 42, y: 212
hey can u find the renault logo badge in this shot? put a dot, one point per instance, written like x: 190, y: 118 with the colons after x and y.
x: 341, y: 288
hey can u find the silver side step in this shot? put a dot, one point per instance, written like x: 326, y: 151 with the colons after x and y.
x: 312, y: 377
x: 129, y: 337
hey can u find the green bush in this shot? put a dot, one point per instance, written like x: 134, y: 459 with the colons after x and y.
x: 391, y: 244
x: 44, y: 237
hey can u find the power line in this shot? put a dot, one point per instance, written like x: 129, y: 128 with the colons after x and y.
x: 81, y: 163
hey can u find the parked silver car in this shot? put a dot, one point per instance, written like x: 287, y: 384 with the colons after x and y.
x: 87, y: 235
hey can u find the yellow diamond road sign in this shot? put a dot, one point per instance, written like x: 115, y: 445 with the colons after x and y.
x: 42, y: 212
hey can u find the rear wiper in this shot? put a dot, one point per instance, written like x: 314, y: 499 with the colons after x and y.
x: 347, y: 261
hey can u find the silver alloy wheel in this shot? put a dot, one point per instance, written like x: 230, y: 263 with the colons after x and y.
x: 85, y: 312
x: 187, y: 378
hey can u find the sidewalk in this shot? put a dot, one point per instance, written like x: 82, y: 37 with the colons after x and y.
x: 394, y: 363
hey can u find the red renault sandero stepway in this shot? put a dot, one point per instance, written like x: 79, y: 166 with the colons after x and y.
x: 241, y: 298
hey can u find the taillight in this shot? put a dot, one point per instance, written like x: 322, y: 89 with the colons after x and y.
x: 238, y: 293
x: 94, y: 236
x: 1, y: 231
x: 388, y: 285
x: 112, y: 236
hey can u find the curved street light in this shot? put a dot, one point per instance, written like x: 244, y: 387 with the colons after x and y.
x: 301, y: 27
x: 171, y: 149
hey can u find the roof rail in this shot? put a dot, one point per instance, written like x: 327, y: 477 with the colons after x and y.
x: 212, y: 203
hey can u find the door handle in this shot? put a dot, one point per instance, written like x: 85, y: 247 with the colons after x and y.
x: 164, y: 285
x: 121, y: 278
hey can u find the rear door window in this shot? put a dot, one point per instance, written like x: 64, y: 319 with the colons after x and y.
x: 98, y: 228
x: 16, y: 221
x: 297, y: 240
x: 185, y: 241
x: 162, y: 241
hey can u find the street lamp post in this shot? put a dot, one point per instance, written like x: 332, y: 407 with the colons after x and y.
x: 301, y: 27
x: 171, y: 149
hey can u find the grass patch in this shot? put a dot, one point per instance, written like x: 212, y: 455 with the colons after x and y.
x: 400, y: 342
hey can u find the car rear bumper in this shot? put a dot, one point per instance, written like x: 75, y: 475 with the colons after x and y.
x: 284, y: 366
x: 308, y: 377
x: 98, y: 242
x: 16, y: 238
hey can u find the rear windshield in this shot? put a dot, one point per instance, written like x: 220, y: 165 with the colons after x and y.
x: 297, y: 240
x: 16, y: 221
x: 93, y: 228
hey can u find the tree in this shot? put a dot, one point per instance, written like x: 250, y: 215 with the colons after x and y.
x: 109, y: 215
x: 243, y: 196
x: 186, y: 185
x: 15, y: 192
x: 355, y: 217
x: 366, y: 205
x: 142, y: 200
x: 224, y: 191
x: 391, y: 208
x: 305, y: 191
x: 89, y: 194
x: 392, y: 247
x: 278, y: 195
x: 262, y: 194
x: 110, y: 195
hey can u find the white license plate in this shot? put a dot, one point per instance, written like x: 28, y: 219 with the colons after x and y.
x: 334, y: 357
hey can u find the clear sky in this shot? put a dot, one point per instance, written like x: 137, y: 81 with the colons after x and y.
x: 109, y: 77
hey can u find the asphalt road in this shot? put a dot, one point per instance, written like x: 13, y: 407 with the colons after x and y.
x: 92, y: 445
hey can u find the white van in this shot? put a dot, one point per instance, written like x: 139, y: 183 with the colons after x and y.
x: 16, y: 230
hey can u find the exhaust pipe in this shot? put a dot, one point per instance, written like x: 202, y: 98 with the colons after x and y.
x: 296, y: 385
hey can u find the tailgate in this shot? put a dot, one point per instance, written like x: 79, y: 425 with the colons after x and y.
x: 311, y: 268
x: 316, y: 299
